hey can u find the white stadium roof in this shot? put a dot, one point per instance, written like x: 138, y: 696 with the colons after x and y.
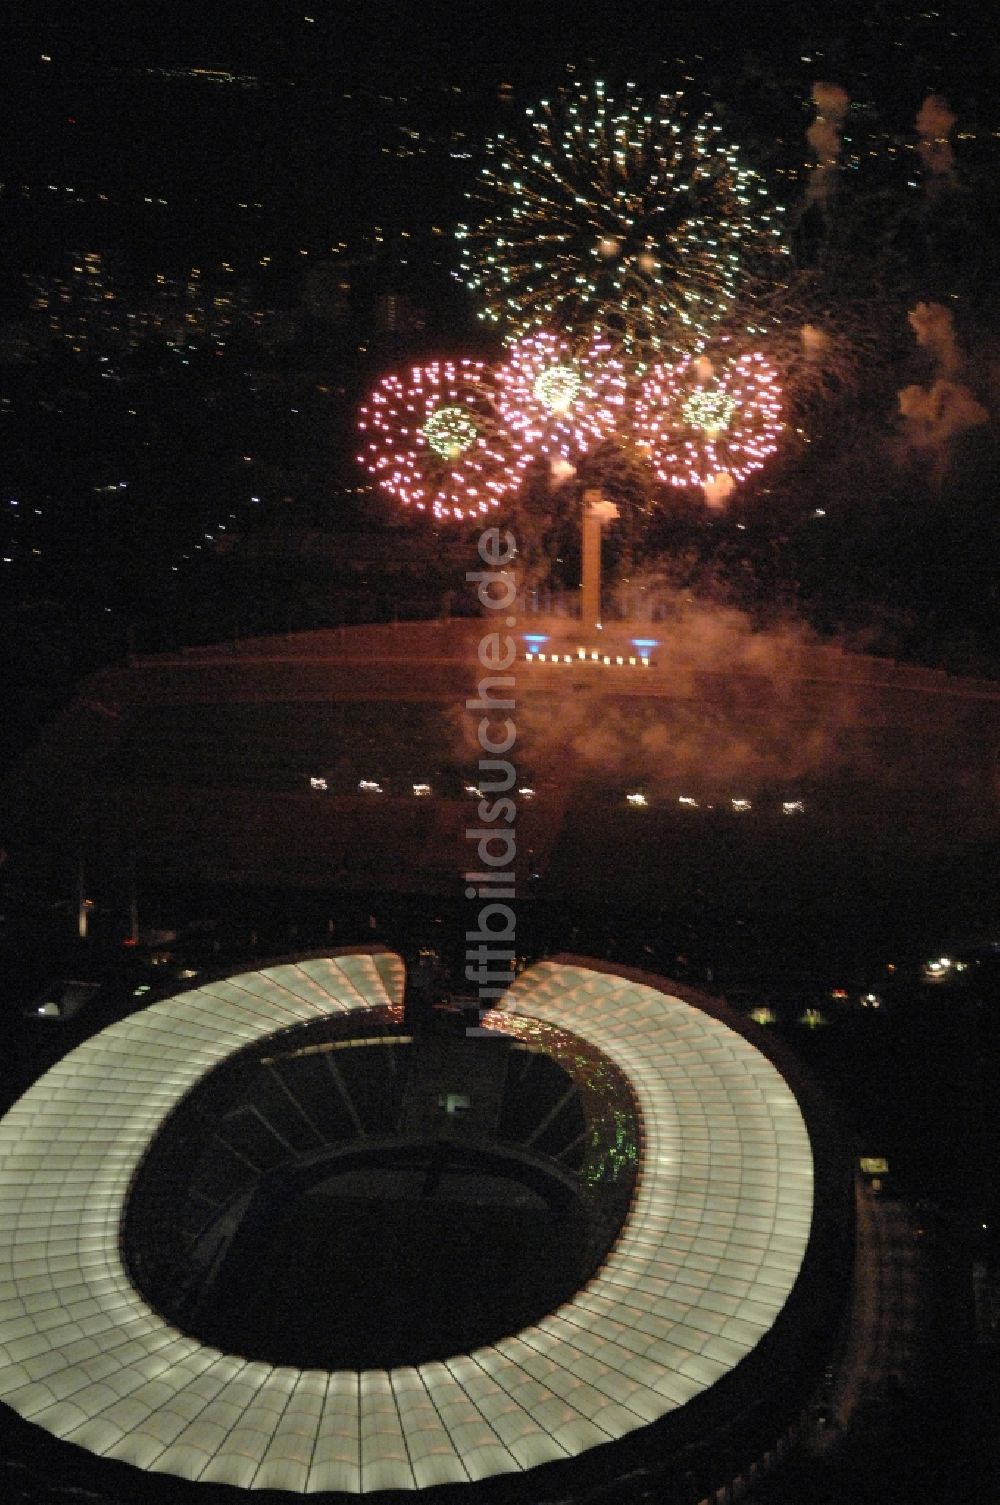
x: 706, y: 1259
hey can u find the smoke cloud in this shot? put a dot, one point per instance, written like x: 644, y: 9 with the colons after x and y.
x: 746, y: 714
x: 561, y: 470
x: 935, y: 123
x: 737, y: 715
x: 825, y: 136
x: 740, y: 713
x: 815, y: 342
x: 718, y: 489
x: 934, y: 328
x: 935, y: 414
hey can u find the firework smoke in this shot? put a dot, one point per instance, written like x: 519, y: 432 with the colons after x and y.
x: 935, y: 122
x: 825, y: 135
x: 738, y: 712
x: 934, y: 328
x: 935, y: 414
x: 718, y: 489
x: 815, y: 342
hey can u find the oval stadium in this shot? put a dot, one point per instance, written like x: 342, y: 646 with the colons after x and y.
x: 221, y: 1213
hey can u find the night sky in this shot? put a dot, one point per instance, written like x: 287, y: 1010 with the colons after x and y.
x: 95, y: 102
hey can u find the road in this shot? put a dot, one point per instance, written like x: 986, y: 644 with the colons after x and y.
x: 886, y: 1352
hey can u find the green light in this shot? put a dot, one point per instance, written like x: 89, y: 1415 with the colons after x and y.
x: 450, y: 432
x: 709, y: 409
x: 557, y: 387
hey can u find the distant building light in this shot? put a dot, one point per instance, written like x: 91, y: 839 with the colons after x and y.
x: 370, y: 786
x: 454, y: 1102
x: 637, y: 799
x: 317, y: 783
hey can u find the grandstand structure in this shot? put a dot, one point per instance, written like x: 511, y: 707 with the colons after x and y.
x: 155, y: 1183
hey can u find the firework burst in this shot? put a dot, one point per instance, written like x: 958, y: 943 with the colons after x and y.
x: 434, y: 441
x: 559, y: 401
x: 692, y: 426
x: 618, y: 219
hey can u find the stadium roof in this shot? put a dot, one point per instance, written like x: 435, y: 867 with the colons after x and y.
x: 709, y: 1253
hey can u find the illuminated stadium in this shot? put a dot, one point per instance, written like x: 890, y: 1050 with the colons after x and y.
x: 662, y: 1281
x: 280, y: 1233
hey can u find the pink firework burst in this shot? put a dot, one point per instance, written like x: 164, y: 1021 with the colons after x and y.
x: 434, y: 442
x: 692, y: 425
x: 557, y: 400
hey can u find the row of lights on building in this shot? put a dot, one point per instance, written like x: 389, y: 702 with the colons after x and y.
x: 535, y: 653
x: 640, y: 801
x: 420, y: 790
x: 636, y: 798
